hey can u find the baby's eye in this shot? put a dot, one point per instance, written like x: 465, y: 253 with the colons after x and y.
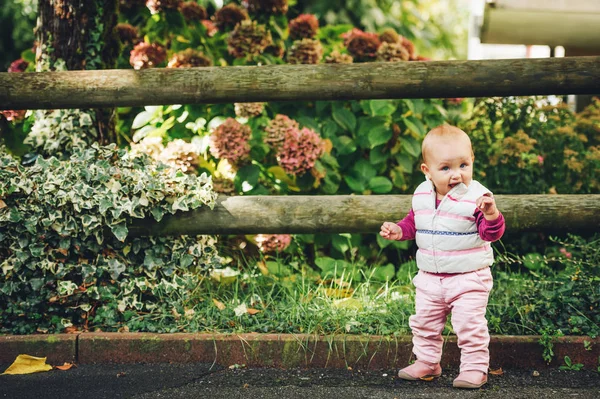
x: 463, y: 165
x: 445, y: 168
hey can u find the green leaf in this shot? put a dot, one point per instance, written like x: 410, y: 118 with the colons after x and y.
x: 331, y: 183
x: 345, y: 118
x: 364, y: 170
x: 341, y: 243
x: 384, y: 273
x: 120, y: 231
x: 355, y: 185
x: 378, y: 155
x: 411, y: 146
x: 415, y: 125
x: 405, y: 162
x: 381, y: 107
x: 115, y: 268
x: 345, y: 145
x: 247, y: 174
x: 379, y: 135
x: 380, y: 185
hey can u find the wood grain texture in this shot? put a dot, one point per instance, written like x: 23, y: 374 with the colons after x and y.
x: 362, y: 214
x: 375, y: 80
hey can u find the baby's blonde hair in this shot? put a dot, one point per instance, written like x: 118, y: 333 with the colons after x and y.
x: 443, y: 132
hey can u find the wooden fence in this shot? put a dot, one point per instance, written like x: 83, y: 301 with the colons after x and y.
x: 330, y: 214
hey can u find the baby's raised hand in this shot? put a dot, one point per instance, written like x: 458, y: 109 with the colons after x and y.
x: 487, y: 205
x: 390, y: 231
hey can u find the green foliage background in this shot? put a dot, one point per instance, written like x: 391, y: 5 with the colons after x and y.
x: 522, y: 145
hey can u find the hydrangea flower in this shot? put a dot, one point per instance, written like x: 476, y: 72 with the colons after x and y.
x: 146, y: 55
x: 248, y: 110
x: 193, y: 11
x: 189, y: 58
x: 361, y: 45
x: 227, y: 17
x: 266, y: 6
x: 277, y: 128
x: 127, y: 33
x: 271, y: 243
x: 305, y: 26
x: 248, y: 38
x: 300, y: 151
x: 305, y: 51
x: 230, y: 141
x: 335, y: 57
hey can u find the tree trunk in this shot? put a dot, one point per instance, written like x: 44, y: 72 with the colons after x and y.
x: 79, y: 35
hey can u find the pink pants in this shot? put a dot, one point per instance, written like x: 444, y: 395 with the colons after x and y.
x: 465, y: 296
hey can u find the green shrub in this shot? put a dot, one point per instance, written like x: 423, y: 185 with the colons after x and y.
x: 65, y: 255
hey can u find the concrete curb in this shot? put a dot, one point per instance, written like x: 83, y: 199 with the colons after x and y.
x: 282, y: 350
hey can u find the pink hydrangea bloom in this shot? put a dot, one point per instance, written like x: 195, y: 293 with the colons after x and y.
x: 269, y: 243
x: 230, y: 141
x: 299, y: 151
x: 19, y: 65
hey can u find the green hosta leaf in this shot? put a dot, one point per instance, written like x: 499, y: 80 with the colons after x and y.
x: 331, y: 183
x: 415, y: 125
x: 355, y: 185
x: 330, y: 129
x: 411, y: 146
x: 380, y: 185
x: 405, y: 162
x: 345, y: 118
x: 381, y: 107
x: 379, y: 135
x: 364, y: 170
x: 345, y: 145
x: 384, y: 273
x: 378, y: 155
x: 341, y: 243
x: 278, y: 269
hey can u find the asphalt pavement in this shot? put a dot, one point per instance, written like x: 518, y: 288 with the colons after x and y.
x: 199, y: 380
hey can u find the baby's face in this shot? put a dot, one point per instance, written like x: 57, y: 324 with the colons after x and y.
x: 448, y: 162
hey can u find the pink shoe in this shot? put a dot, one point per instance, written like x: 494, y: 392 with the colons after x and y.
x: 420, y: 370
x: 470, y: 379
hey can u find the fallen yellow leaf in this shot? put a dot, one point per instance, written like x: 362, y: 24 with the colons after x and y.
x: 65, y: 366
x: 426, y: 378
x: 2, y: 204
x: 218, y: 304
x: 497, y: 371
x: 252, y: 311
x: 26, y: 364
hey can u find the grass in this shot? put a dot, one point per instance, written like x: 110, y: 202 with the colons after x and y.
x: 303, y: 303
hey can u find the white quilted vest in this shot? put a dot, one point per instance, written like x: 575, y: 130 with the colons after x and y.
x: 447, y: 237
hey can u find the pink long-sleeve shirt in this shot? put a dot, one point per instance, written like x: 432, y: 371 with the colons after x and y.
x: 489, y: 230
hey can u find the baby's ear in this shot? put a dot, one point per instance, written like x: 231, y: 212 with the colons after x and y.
x: 425, y: 169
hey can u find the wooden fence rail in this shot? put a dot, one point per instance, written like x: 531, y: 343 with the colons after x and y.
x: 326, y: 214
x: 430, y: 79
x: 360, y: 214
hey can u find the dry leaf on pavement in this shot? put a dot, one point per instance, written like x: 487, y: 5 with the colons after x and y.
x: 26, y: 364
x: 498, y: 371
x: 65, y: 366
